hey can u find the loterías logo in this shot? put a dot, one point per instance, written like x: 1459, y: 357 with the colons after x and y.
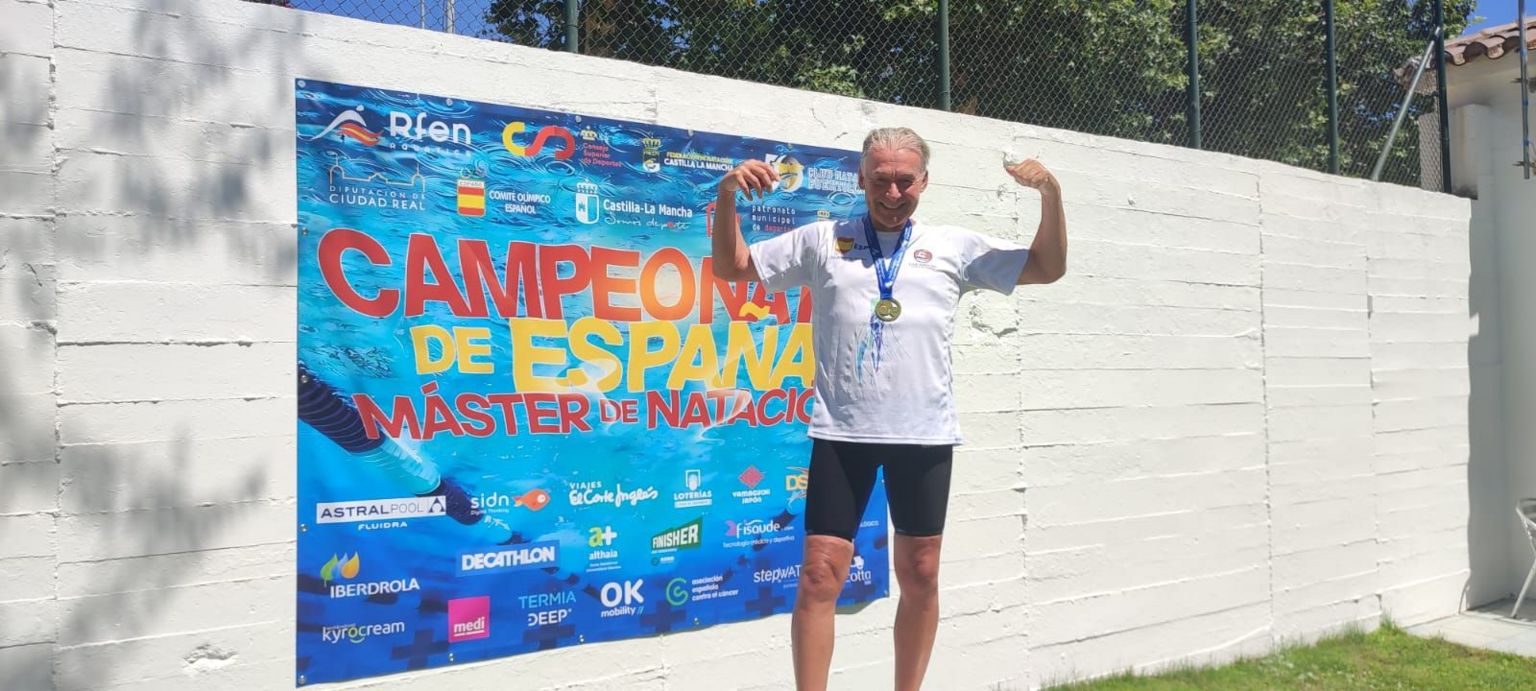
x: 350, y: 123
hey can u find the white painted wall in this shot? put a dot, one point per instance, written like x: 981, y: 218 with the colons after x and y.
x: 1486, y: 140
x: 1239, y: 420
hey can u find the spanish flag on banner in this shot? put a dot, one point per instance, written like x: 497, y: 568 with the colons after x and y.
x: 471, y: 197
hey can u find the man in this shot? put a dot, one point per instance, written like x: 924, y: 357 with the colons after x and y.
x: 885, y: 288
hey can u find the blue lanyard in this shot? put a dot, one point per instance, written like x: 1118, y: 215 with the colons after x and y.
x: 886, y: 268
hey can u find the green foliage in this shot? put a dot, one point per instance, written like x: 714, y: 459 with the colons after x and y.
x: 1113, y: 67
x: 1388, y: 658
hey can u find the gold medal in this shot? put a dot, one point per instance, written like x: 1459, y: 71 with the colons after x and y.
x: 887, y: 310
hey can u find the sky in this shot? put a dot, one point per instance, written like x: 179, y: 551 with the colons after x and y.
x: 1495, y: 12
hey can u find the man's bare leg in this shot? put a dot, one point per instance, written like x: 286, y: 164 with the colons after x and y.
x: 812, y: 628
x: 917, y: 614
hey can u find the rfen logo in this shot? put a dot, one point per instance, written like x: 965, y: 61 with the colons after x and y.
x: 350, y: 123
x: 469, y: 618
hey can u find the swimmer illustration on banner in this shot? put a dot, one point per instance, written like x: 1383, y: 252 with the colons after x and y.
x: 529, y: 415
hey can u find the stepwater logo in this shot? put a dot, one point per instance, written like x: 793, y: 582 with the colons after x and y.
x: 469, y: 618
x: 517, y: 558
x: 347, y: 568
x: 789, y: 575
x: 357, y: 633
x: 380, y: 509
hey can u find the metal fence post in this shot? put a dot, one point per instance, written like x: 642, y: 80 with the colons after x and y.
x: 1444, y: 106
x: 572, y: 18
x: 1333, y: 89
x: 944, y: 94
x: 1192, y: 42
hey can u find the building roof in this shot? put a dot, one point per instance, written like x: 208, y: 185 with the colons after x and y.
x: 1492, y: 43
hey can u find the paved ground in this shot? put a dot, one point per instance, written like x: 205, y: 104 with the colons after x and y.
x: 1489, y: 627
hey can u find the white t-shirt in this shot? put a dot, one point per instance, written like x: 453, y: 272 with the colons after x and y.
x: 889, y: 384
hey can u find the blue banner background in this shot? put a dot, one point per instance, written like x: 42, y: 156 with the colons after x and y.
x: 532, y: 564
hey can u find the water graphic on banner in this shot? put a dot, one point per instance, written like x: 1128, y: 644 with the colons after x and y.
x: 529, y: 416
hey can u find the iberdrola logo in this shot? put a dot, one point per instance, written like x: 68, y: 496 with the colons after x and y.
x: 349, y: 567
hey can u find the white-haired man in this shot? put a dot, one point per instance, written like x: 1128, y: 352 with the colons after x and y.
x: 885, y: 288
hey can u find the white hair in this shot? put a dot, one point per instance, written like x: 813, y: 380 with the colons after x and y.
x: 896, y: 139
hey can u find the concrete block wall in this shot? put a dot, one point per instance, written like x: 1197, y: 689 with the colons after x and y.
x: 1234, y: 422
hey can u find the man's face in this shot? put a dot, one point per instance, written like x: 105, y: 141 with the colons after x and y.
x: 892, y: 181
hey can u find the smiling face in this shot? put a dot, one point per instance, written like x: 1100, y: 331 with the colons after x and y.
x: 892, y: 180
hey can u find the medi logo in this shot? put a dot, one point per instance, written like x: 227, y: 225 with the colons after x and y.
x: 347, y: 568
x: 540, y: 139
x: 469, y: 618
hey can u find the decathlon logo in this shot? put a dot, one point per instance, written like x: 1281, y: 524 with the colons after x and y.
x: 540, y: 139
x: 509, y: 559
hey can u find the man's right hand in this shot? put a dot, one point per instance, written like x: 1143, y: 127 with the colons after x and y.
x: 754, y: 178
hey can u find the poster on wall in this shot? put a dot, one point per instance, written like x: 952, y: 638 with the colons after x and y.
x: 529, y: 415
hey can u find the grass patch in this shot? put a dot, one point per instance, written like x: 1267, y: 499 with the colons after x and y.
x: 1387, y: 658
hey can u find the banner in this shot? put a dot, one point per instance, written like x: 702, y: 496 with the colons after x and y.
x: 529, y: 416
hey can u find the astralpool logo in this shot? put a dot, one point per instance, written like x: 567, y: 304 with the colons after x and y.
x: 509, y: 559
x: 380, y: 509
x: 347, y: 567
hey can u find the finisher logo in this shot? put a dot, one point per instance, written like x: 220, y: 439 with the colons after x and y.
x: 379, y: 509
x: 682, y: 537
x: 510, y: 559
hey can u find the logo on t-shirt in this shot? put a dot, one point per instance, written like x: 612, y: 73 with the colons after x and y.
x: 844, y: 245
x: 922, y: 256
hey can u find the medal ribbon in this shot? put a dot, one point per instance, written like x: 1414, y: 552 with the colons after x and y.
x: 886, y: 268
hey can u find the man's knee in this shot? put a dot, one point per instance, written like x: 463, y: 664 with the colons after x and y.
x: 824, y: 568
x: 917, y: 567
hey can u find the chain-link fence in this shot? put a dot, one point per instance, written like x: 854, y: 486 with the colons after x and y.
x: 1113, y: 67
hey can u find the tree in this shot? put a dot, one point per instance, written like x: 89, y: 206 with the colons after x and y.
x: 1113, y: 67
